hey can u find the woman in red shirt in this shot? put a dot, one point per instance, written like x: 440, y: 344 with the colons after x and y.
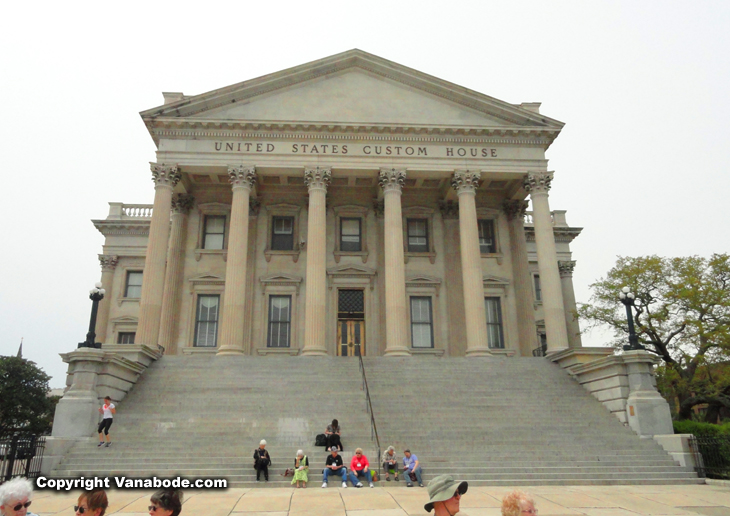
x: 360, y: 467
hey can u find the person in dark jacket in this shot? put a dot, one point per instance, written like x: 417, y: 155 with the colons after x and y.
x: 261, y: 461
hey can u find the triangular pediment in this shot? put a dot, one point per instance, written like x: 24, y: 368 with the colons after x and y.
x: 281, y: 278
x: 351, y: 88
x: 495, y: 280
x: 206, y: 277
x: 351, y: 269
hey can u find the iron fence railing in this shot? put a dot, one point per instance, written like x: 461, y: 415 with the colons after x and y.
x: 712, y: 455
x: 21, y: 455
x: 369, y: 404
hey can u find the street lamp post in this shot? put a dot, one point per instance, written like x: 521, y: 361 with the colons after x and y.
x: 627, y: 298
x: 96, y: 294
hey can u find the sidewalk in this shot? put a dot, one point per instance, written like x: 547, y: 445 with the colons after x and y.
x: 690, y: 500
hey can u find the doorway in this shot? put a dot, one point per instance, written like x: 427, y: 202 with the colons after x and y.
x: 350, y: 323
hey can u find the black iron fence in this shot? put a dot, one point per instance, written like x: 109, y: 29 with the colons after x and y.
x: 712, y: 455
x: 21, y: 455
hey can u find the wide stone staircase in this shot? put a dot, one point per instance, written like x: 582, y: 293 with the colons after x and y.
x: 501, y: 421
x: 491, y: 421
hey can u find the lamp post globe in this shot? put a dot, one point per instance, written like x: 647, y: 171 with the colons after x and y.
x: 96, y: 294
x: 627, y: 298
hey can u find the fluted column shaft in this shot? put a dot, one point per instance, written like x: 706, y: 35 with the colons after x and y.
x: 315, y: 324
x: 233, y: 315
x: 396, y: 314
x: 526, y: 331
x: 538, y: 184
x: 571, y: 321
x: 465, y: 183
x: 153, y: 279
x: 181, y: 205
x: 108, y: 264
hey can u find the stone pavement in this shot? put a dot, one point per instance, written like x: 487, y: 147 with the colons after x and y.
x: 688, y: 500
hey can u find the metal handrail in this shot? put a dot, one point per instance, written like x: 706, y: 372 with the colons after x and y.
x: 369, y: 404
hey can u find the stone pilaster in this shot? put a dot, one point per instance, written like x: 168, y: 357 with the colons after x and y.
x: 233, y: 318
x: 538, y: 185
x: 571, y: 321
x: 515, y: 211
x: 108, y: 264
x: 466, y: 182
x: 153, y: 279
x: 180, y: 207
x: 315, y: 324
x: 396, y: 316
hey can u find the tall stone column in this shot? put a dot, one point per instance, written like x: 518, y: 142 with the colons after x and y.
x: 233, y: 317
x: 571, y: 321
x: 153, y: 279
x: 538, y: 185
x: 315, y: 323
x: 466, y: 182
x: 108, y: 264
x: 396, y: 315
x: 515, y: 211
x: 181, y: 205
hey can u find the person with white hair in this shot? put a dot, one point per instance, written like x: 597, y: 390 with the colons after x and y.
x: 518, y: 503
x: 301, y: 469
x: 390, y: 461
x: 15, y: 497
x: 261, y: 461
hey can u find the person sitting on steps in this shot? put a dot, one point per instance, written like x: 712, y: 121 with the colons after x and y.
x: 334, y: 466
x: 261, y: 461
x: 411, y: 465
x: 390, y: 461
x: 333, y: 432
x: 360, y: 467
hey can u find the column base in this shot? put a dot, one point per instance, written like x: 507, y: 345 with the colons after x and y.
x: 552, y: 351
x: 314, y: 352
x: 397, y: 352
x: 229, y: 351
x: 479, y: 352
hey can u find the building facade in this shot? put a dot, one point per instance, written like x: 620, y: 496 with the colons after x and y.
x: 348, y: 203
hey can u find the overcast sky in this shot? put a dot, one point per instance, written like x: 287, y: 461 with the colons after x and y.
x: 643, y: 87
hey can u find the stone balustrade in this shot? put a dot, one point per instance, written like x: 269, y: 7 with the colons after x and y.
x: 557, y: 217
x: 121, y: 211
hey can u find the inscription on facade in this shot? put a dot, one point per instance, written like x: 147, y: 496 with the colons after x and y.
x: 425, y: 151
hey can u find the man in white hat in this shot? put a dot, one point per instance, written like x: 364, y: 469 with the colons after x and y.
x: 445, y: 495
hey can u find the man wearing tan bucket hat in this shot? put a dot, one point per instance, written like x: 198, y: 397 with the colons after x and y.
x: 445, y: 494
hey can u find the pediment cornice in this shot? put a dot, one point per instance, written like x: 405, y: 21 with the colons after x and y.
x: 175, y: 120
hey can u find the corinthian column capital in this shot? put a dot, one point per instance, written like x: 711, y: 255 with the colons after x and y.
x: 108, y: 262
x: 515, y: 208
x: 165, y: 175
x: 566, y: 268
x: 182, y: 203
x: 465, y: 181
x: 392, y: 179
x: 537, y: 182
x: 317, y: 178
x: 242, y: 176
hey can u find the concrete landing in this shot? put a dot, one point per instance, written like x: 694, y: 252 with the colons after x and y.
x: 675, y: 500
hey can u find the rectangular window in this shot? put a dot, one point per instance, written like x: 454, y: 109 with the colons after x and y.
x: 538, y: 287
x: 282, y: 234
x: 417, y: 235
x: 495, y: 337
x: 487, y: 243
x: 350, y: 235
x: 125, y: 337
x: 133, y: 288
x: 206, y: 321
x: 421, y: 322
x: 214, y: 231
x: 279, y: 321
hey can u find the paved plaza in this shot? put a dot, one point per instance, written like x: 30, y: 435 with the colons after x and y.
x: 689, y: 500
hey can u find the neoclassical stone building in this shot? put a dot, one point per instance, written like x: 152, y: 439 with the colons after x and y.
x: 346, y: 201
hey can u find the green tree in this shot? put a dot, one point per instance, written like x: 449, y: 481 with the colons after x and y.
x: 24, y: 403
x: 681, y: 313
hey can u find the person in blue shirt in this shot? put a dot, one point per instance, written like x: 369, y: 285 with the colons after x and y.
x: 411, y: 465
